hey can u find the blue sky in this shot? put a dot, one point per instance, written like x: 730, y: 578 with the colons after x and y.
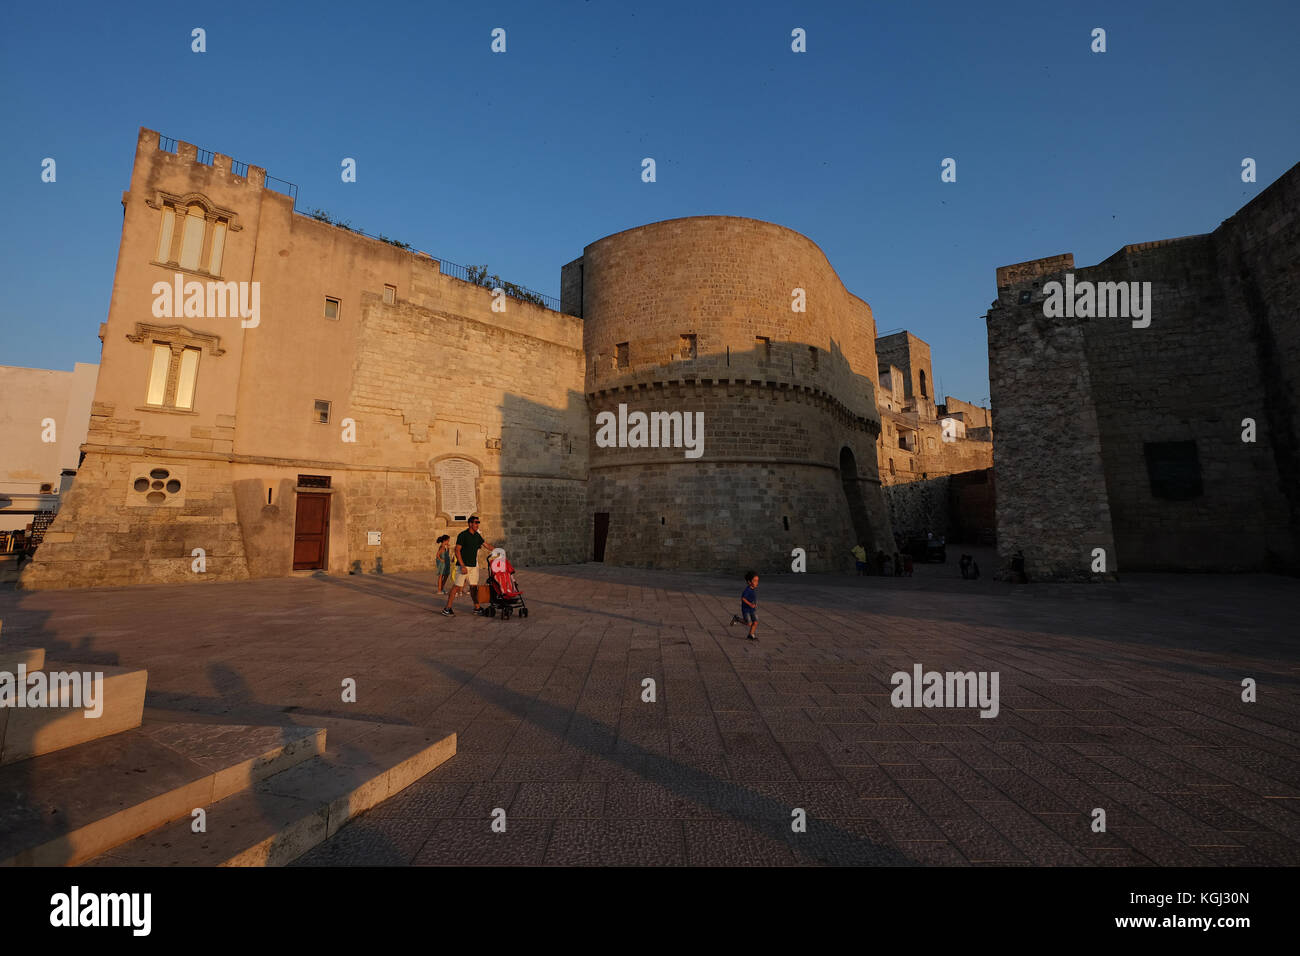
x: 520, y: 159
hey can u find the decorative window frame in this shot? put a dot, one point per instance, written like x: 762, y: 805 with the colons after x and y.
x: 176, y: 334
x: 178, y: 338
x: 213, y: 215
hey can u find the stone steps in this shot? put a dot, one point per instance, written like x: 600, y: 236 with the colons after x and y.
x: 283, y: 816
x: 107, y: 790
x: 27, y: 732
x: 64, y: 808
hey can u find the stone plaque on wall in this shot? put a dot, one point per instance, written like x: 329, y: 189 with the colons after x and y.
x: 458, y: 482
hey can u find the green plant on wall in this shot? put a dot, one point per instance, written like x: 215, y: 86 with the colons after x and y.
x: 479, y: 276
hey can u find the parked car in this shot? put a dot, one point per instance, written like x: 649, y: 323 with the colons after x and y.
x: 928, y: 550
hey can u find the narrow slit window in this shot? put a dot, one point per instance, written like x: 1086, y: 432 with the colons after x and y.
x: 192, y: 238
x: 162, y: 357
x: 165, y: 234
x: 189, y: 371
x: 218, y: 246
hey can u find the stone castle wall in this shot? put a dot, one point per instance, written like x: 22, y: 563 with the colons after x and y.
x: 1222, y: 346
x: 768, y: 482
x: 918, y: 508
x: 959, y: 507
x: 1052, y: 504
x: 695, y: 315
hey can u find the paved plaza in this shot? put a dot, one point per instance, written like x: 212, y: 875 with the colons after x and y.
x: 1125, y: 697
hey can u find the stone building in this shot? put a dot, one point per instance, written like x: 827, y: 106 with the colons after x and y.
x: 281, y: 395
x: 922, y: 443
x: 698, y: 316
x: 1154, y: 425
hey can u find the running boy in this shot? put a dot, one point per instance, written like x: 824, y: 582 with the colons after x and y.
x: 749, y: 606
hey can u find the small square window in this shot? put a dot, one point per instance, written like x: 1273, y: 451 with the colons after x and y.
x: 621, y: 355
x: 322, y: 411
x: 1173, y: 469
x: 1026, y: 296
x: 331, y: 308
x: 390, y: 294
x: 764, y: 345
x: 689, y: 347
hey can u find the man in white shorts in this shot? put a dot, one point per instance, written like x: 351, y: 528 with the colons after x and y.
x: 468, y: 543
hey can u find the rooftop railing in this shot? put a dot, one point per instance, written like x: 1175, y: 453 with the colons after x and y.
x: 477, y: 275
x: 169, y: 144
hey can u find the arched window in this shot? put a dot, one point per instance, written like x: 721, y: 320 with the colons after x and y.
x: 192, y: 235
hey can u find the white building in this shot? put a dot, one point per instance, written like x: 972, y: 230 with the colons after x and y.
x: 44, y: 416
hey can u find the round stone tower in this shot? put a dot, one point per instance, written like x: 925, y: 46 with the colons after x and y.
x: 731, y: 380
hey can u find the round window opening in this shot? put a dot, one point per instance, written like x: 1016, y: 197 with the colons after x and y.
x: 142, y: 484
x: 159, y: 473
x: 173, y: 486
x: 157, y: 486
x: 155, y: 497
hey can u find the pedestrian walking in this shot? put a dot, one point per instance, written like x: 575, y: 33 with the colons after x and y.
x: 468, y: 544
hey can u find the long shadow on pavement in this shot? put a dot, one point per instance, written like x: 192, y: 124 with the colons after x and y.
x: 824, y: 841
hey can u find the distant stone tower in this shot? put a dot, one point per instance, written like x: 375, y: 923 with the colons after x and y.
x: 746, y: 322
x: 911, y: 356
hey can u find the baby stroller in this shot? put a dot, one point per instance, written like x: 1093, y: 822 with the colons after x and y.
x: 504, y: 591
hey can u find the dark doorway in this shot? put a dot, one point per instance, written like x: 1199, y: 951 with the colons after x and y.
x: 602, y: 532
x: 857, y: 504
x: 311, y: 532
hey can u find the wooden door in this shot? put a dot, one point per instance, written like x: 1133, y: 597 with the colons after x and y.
x: 311, y: 532
x: 602, y: 532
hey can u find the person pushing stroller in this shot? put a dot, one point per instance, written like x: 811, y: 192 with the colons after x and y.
x: 468, y: 543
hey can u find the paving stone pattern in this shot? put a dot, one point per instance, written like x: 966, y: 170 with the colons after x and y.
x: 1125, y: 697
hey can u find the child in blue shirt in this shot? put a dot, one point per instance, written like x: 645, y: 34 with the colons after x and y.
x: 749, y: 606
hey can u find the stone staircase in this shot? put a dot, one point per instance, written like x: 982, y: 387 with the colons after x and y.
x: 27, y: 732
x: 125, y: 788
